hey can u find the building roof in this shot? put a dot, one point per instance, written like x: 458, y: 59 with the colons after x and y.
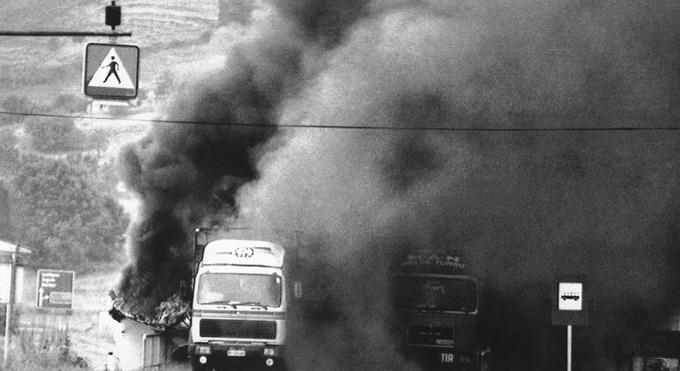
x: 8, y: 248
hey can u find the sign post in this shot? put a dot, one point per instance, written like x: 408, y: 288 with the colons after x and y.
x: 568, y: 347
x: 14, y: 251
x: 569, y: 306
x: 10, y: 307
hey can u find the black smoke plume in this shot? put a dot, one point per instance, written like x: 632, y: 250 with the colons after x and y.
x: 525, y: 206
x: 187, y: 175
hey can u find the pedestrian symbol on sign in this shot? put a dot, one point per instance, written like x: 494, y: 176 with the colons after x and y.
x: 113, y: 69
x: 111, y: 66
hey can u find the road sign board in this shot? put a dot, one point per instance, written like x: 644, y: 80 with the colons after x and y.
x: 54, y: 288
x: 570, y: 296
x: 111, y: 71
x: 569, y: 300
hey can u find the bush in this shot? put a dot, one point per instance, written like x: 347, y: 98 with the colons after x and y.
x: 67, y: 103
x: 44, y: 349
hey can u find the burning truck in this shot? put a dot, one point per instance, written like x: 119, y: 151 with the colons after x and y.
x: 242, y: 291
x: 240, y: 296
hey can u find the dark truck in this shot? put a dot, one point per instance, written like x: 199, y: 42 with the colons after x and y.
x: 436, y: 312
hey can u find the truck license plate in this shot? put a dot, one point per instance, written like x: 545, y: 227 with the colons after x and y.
x: 236, y: 352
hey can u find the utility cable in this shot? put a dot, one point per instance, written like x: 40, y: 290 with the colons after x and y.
x: 364, y: 127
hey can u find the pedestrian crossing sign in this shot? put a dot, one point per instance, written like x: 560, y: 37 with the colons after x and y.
x: 111, y: 71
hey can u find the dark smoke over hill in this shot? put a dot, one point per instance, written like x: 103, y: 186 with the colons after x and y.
x: 526, y: 205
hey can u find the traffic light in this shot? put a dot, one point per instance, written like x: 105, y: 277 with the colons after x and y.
x: 113, y: 15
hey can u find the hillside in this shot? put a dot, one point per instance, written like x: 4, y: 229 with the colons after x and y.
x: 174, y: 37
x: 177, y: 40
x: 175, y: 21
x: 151, y: 22
x: 42, y: 68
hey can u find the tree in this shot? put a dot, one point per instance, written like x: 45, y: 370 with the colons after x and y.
x: 53, y: 134
x: 63, y: 215
x: 16, y: 104
x: 5, y: 227
x: 165, y: 84
x: 8, y: 152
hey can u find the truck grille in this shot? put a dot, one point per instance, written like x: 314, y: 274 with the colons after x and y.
x: 433, y: 336
x: 237, y: 329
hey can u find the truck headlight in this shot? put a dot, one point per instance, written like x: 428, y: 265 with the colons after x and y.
x: 270, y: 352
x: 465, y: 359
x: 203, y: 350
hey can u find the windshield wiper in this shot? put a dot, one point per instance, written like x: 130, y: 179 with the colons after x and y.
x: 218, y: 302
x: 234, y: 303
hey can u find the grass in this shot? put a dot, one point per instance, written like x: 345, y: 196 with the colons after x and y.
x: 44, y: 348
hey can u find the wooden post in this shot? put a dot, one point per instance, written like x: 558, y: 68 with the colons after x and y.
x: 10, y: 307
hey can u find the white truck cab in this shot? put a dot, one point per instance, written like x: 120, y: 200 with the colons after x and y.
x: 239, y: 305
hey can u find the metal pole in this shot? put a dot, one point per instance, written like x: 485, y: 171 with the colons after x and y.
x: 568, y: 347
x: 64, y: 34
x: 10, y: 307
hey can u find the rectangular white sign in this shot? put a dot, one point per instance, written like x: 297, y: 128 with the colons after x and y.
x: 5, y: 274
x: 570, y: 296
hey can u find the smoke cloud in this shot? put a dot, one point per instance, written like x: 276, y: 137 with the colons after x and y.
x: 525, y: 206
x: 188, y: 175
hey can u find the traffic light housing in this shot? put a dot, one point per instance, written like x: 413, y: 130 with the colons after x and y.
x: 113, y: 15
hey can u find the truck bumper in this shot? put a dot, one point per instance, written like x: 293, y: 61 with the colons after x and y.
x: 257, y: 356
x: 444, y: 359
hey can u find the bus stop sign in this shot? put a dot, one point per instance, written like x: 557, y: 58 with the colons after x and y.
x: 569, y: 304
x: 111, y: 71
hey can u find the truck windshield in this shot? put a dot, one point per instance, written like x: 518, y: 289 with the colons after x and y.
x: 436, y: 293
x: 232, y: 288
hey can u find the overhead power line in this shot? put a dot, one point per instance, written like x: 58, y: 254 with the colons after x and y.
x: 64, y: 34
x: 364, y: 127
